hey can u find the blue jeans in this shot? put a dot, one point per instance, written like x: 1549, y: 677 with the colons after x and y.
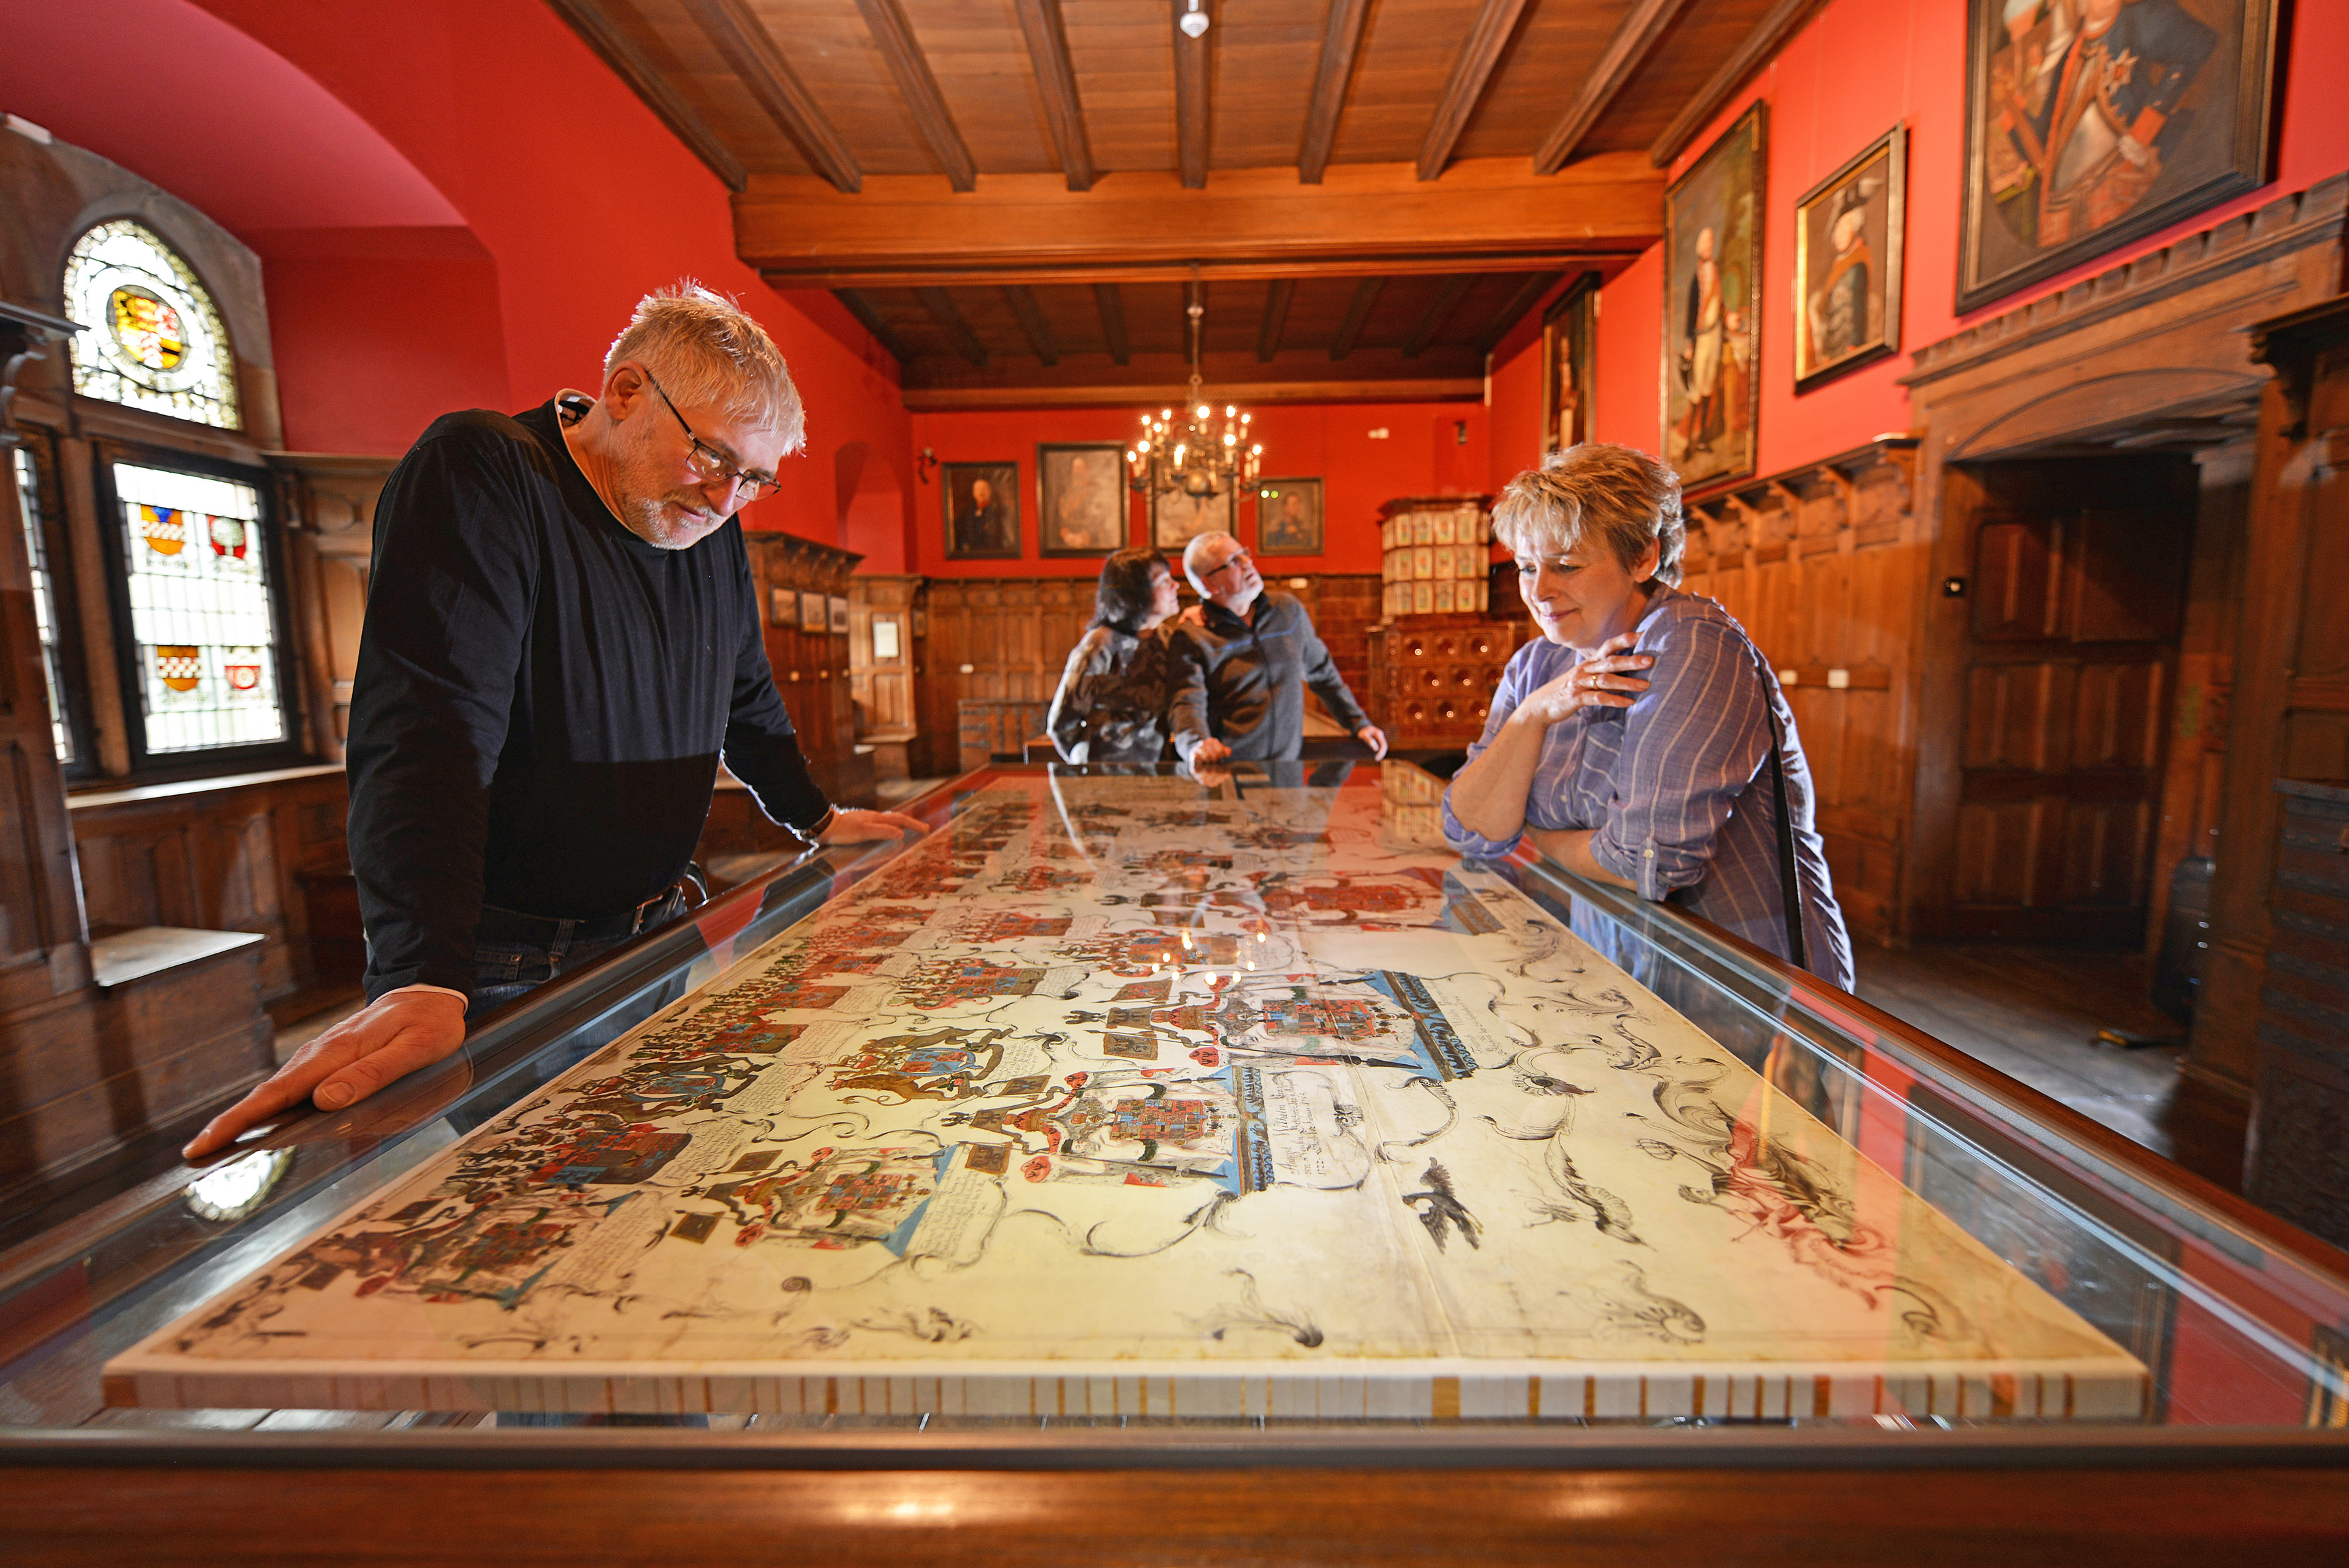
x: 503, y: 968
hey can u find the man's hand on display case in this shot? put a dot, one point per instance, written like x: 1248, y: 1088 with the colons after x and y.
x: 1371, y: 735
x: 390, y: 1039
x: 851, y: 826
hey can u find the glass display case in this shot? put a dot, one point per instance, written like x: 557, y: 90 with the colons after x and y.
x: 2191, y: 1332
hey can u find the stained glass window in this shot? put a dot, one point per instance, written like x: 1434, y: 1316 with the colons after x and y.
x: 155, y: 339
x: 201, y: 619
x: 44, y: 611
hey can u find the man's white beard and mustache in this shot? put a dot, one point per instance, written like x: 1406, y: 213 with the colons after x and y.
x: 674, y: 521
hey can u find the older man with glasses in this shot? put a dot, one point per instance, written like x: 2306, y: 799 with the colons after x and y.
x: 562, y: 640
x: 1261, y: 652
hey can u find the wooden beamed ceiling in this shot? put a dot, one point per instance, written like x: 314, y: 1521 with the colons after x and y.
x: 1011, y: 195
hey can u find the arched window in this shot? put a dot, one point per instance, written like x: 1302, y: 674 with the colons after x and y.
x: 155, y: 338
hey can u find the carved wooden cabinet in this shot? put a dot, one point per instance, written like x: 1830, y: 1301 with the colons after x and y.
x: 1432, y: 677
x: 888, y: 633
x: 803, y: 594
x: 1824, y: 565
x: 1436, y: 657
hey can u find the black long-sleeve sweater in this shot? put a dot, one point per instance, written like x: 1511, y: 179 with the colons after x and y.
x: 541, y: 699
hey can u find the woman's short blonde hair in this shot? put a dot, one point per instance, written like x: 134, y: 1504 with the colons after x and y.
x: 1621, y: 495
x: 706, y: 349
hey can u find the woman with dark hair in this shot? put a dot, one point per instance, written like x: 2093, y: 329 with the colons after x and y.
x: 1122, y: 679
x: 1642, y: 739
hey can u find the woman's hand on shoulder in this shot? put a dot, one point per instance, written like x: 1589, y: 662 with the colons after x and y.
x: 1608, y: 678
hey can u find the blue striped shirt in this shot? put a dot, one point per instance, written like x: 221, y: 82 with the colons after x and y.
x: 1675, y: 787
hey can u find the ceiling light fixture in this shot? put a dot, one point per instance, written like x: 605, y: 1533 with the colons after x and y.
x: 1194, y: 455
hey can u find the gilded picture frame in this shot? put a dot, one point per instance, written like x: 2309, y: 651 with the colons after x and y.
x: 981, y: 506
x: 1288, y: 519
x: 2090, y: 123
x: 1713, y: 287
x: 1082, y: 506
x: 1176, y: 518
x: 1568, y: 369
x: 1850, y: 235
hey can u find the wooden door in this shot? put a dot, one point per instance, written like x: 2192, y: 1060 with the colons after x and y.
x: 2076, y: 600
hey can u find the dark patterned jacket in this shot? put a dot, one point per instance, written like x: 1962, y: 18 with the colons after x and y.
x: 1117, y: 693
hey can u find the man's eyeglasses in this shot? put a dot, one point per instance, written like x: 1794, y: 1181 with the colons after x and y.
x: 710, y: 465
x: 1236, y: 558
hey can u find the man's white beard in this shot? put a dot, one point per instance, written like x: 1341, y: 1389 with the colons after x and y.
x: 669, y: 523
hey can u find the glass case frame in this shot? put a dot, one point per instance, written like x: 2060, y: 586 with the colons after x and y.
x: 2245, y: 1317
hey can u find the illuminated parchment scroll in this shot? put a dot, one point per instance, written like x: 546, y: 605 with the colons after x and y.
x: 1119, y: 1098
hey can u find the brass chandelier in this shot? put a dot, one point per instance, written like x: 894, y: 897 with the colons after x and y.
x: 1194, y: 456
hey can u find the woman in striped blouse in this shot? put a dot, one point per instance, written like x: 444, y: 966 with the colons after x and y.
x: 1631, y: 743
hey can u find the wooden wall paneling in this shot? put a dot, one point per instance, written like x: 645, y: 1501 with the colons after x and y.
x: 2144, y: 353
x: 329, y: 504
x: 883, y: 688
x: 218, y: 859
x: 41, y: 936
x: 1824, y: 566
x: 2074, y: 602
x: 2290, y: 708
x: 811, y: 664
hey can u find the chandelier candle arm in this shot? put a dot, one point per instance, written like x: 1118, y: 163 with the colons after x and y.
x: 1195, y: 457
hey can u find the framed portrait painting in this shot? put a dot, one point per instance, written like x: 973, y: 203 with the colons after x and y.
x: 1569, y: 334
x: 1713, y: 278
x: 1080, y: 490
x: 1176, y: 518
x: 1848, y: 241
x: 982, y: 511
x: 1289, y: 517
x: 2091, y: 122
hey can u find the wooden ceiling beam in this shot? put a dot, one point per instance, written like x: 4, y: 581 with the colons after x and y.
x: 1256, y: 393
x: 744, y: 43
x: 1190, y: 101
x: 910, y: 70
x: 1340, y: 43
x: 1486, y: 215
x: 1480, y: 56
x: 1785, y: 20
x: 1536, y: 285
x: 1447, y: 300
x: 1624, y: 54
x: 1033, y: 322
x: 1112, y: 305
x: 1275, y: 316
x: 1231, y: 375
x: 870, y: 319
x: 1358, y: 311
x: 913, y: 275
x: 620, y: 51
x: 943, y: 310
x: 1056, y: 84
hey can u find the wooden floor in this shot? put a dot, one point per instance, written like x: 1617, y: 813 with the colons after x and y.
x: 2034, y: 1014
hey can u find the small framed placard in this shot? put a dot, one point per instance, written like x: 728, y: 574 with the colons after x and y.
x: 813, y: 616
x: 839, y: 608
x: 885, y: 638
x: 782, y: 607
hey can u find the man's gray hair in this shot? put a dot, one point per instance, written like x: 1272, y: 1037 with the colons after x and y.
x: 1199, y: 545
x: 706, y: 349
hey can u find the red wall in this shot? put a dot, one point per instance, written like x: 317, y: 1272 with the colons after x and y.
x: 1420, y: 453
x: 574, y: 200
x: 1859, y: 68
